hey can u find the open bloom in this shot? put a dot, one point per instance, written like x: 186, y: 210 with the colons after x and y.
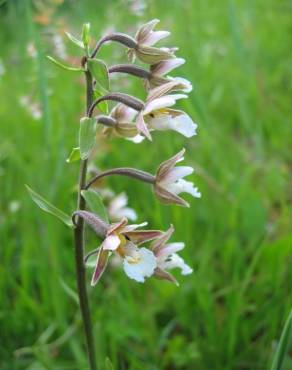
x: 167, y: 257
x: 157, y: 114
x: 145, y: 39
x: 169, y: 182
x: 124, y: 240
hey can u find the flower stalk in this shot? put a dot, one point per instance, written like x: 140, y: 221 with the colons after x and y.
x: 124, y: 171
x: 79, y: 248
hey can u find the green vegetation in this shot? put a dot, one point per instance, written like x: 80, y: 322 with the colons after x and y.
x: 230, y: 313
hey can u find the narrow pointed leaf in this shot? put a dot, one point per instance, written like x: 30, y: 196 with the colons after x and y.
x: 67, y: 68
x: 48, y: 207
x: 74, y: 40
x: 284, y: 345
x: 95, y: 203
x: 87, y: 135
x: 100, y: 72
x: 74, y: 155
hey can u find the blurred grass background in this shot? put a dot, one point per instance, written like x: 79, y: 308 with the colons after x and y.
x: 230, y: 312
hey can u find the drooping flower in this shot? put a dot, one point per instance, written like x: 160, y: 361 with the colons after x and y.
x: 123, y: 239
x: 167, y: 257
x: 123, y: 122
x: 117, y: 208
x: 157, y: 115
x: 145, y: 39
x: 169, y: 182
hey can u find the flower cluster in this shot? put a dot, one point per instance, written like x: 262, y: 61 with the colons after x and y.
x: 135, y: 120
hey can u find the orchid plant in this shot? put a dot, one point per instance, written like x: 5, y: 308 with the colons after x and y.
x: 135, y: 120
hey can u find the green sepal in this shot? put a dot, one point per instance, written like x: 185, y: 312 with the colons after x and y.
x: 48, y: 207
x: 99, y: 71
x: 67, y: 68
x: 74, y: 155
x: 95, y: 203
x: 87, y: 136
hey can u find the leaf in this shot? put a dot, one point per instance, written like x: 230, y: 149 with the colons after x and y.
x: 102, y: 106
x: 87, y: 135
x: 108, y: 364
x: 74, y: 40
x: 99, y: 71
x: 74, y: 155
x: 284, y: 344
x: 95, y: 203
x: 85, y: 34
x: 48, y: 207
x: 68, y: 68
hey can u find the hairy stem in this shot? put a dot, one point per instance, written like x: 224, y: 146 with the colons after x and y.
x: 124, y: 171
x: 79, y: 249
x: 126, y: 99
x: 121, y: 38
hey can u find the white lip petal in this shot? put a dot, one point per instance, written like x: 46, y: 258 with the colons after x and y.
x: 182, y: 124
x: 177, y: 173
x: 159, y: 103
x: 175, y: 261
x: 183, y: 186
x: 143, y: 267
x: 153, y: 37
x: 111, y: 242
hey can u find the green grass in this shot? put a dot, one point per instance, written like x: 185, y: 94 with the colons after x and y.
x: 229, y: 314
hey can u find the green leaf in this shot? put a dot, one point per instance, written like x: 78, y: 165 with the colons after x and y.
x: 87, y: 136
x: 48, y: 207
x: 284, y: 345
x: 108, y: 364
x: 74, y: 155
x: 85, y: 34
x: 99, y: 71
x: 95, y: 203
x: 102, y: 106
x: 68, y: 68
x: 74, y: 40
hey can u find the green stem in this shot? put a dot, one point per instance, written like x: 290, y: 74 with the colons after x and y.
x: 79, y: 249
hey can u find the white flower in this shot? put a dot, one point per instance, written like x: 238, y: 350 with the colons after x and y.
x: 118, y: 209
x: 167, y: 257
x: 174, y: 261
x: 139, y: 263
x: 169, y: 182
x: 145, y: 39
x: 157, y: 114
